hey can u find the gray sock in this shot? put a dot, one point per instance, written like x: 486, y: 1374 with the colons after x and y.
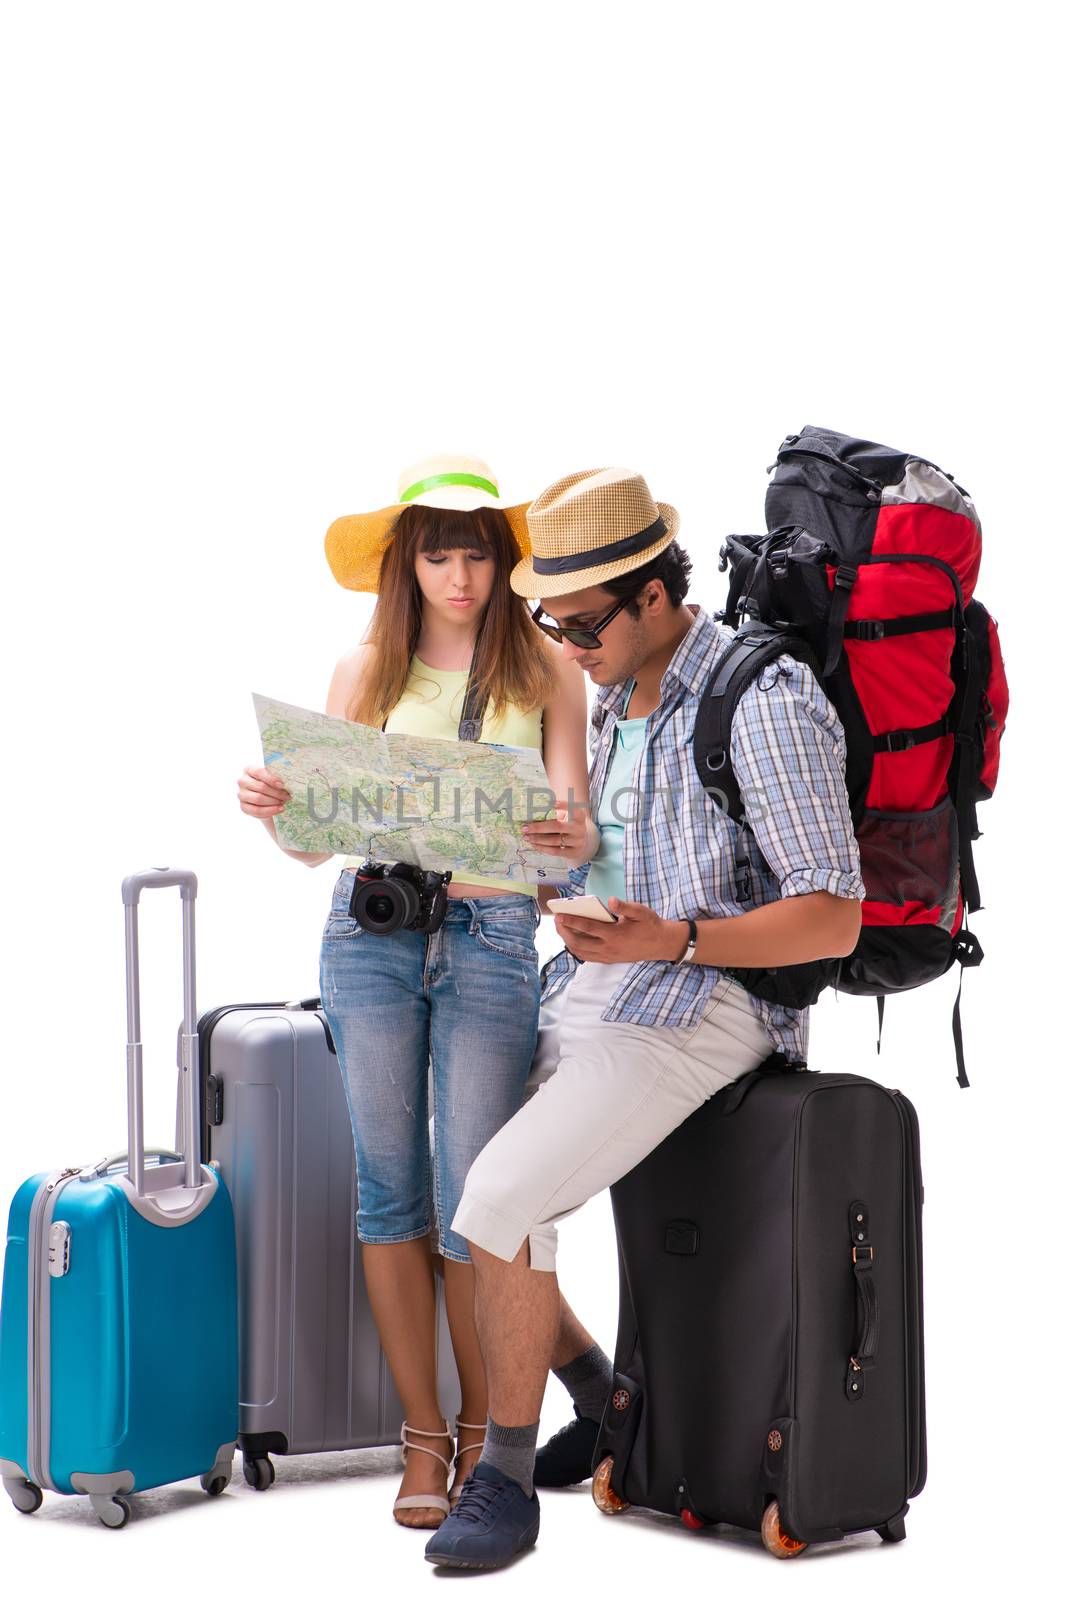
x: 511, y: 1451
x: 588, y: 1380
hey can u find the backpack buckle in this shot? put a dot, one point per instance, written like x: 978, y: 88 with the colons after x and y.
x: 900, y: 739
x: 868, y: 628
x: 845, y: 577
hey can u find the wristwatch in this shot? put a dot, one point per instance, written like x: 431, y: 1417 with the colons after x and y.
x: 691, y: 947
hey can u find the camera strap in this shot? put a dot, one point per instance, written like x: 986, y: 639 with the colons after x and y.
x: 470, y: 724
x: 471, y: 712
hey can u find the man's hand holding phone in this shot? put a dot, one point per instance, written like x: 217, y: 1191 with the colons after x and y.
x: 622, y: 930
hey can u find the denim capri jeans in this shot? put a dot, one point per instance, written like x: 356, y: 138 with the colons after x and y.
x: 461, y: 1003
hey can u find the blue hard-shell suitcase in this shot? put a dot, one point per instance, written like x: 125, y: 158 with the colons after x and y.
x: 118, y: 1328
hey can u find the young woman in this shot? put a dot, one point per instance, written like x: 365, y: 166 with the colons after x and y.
x: 464, y: 1000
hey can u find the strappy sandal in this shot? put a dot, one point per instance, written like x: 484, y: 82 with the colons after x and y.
x: 472, y: 1427
x: 428, y: 1502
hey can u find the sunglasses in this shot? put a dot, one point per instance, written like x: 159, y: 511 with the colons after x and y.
x: 584, y: 638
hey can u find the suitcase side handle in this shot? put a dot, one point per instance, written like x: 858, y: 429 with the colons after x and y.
x: 866, y: 1340
x: 189, y: 1049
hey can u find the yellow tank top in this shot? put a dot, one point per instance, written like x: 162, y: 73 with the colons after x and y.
x: 430, y: 706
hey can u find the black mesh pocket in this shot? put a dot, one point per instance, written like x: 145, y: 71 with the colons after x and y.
x: 908, y: 856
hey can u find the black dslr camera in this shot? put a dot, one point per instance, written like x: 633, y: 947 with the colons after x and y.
x: 388, y: 898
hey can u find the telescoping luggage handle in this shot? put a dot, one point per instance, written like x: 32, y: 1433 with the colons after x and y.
x: 162, y: 878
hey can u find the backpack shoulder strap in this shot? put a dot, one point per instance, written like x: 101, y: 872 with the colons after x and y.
x: 749, y: 652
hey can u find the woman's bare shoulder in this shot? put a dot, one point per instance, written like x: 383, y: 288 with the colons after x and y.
x: 567, y: 674
x: 353, y: 660
x: 347, y: 674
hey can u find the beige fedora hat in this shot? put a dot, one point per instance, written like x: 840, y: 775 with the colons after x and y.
x: 589, y: 527
x: 354, y: 544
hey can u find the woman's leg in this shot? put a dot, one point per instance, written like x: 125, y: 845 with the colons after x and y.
x: 373, y: 999
x: 483, y: 1029
x: 460, y: 1305
x: 401, y: 1288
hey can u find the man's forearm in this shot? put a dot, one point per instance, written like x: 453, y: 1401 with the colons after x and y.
x: 803, y: 927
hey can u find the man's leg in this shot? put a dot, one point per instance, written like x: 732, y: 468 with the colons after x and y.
x: 516, y: 1310
x: 524, y: 1325
x: 508, y: 1449
x: 519, y: 1316
x: 618, y: 1090
x: 517, y: 1313
x: 572, y: 1339
x: 587, y: 1374
x: 577, y: 1360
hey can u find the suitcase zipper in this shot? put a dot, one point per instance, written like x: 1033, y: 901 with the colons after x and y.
x: 913, y: 1294
x: 39, y: 1340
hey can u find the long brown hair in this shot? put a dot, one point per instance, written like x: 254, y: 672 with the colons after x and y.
x: 512, y: 664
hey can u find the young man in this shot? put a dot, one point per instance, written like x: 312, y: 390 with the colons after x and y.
x: 640, y: 1022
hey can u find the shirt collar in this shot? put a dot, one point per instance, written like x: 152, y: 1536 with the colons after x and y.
x: 692, y: 661
x: 690, y: 666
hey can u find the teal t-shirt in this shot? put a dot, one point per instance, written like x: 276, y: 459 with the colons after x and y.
x: 617, y: 807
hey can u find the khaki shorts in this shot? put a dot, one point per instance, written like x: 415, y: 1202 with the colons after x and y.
x: 602, y: 1095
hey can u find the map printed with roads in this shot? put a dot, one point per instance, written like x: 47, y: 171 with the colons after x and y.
x: 440, y: 804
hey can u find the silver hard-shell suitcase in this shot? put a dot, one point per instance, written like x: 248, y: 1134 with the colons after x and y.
x: 313, y: 1376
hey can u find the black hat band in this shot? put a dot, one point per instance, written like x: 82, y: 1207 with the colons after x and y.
x: 604, y: 554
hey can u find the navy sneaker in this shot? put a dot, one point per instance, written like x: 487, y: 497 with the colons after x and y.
x: 568, y: 1456
x: 492, y: 1524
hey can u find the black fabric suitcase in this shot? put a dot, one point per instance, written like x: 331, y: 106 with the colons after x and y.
x: 769, y: 1359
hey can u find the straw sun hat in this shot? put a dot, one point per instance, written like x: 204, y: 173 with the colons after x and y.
x: 354, y: 545
x: 589, y: 527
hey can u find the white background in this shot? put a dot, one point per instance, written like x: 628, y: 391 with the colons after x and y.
x: 258, y: 258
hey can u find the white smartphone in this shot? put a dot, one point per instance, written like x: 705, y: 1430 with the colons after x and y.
x: 584, y: 905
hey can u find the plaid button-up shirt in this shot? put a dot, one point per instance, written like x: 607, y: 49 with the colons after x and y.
x: 681, y: 852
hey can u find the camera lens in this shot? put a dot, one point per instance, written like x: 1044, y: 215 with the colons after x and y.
x: 379, y: 908
x: 385, y: 905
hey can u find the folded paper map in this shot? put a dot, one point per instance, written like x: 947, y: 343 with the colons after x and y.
x: 440, y: 804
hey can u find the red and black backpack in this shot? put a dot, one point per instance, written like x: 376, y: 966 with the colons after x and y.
x: 867, y: 573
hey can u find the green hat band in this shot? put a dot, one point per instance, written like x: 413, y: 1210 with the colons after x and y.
x: 469, y: 480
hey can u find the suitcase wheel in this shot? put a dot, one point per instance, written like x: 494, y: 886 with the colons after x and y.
x: 25, y: 1496
x: 259, y: 1472
x: 604, y: 1496
x: 893, y: 1531
x: 112, y: 1509
x: 691, y: 1520
x: 214, y: 1484
x: 775, y: 1537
